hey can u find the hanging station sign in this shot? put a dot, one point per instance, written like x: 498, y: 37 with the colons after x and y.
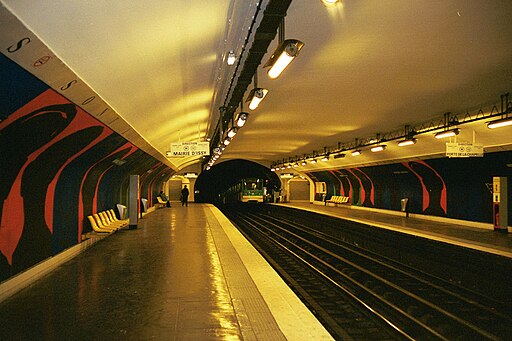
x: 184, y: 149
x: 464, y: 150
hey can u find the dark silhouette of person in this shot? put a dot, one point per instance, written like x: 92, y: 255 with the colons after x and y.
x: 162, y: 195
x: 184, y: 196
x: 164, y: 198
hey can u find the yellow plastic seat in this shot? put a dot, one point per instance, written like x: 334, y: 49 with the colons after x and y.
x: 101, y: 224
x: 95, y: 226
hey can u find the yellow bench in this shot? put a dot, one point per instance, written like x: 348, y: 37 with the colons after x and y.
x: 161, y: 201
x: 338, y: 200
x: 105, y: 222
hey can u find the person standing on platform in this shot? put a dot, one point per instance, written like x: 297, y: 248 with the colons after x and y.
x: 184, y: 196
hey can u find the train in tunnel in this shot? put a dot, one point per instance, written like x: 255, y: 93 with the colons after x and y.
x: 249, y: 190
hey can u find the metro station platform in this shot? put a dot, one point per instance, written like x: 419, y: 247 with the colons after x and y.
x: 466, y: 234
x: 185, y: 273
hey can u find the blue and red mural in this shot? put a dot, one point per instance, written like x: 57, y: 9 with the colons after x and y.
x: 458, y: 188
x: 56, y: 168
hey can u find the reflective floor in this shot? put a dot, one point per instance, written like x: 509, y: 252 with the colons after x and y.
x: 456, y: 233
x: 162, y: 281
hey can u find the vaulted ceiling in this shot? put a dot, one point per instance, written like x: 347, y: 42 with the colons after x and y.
x: 367, y: 67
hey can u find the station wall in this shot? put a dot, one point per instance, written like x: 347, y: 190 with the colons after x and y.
x: 459, y: 188
x: 56, y: 169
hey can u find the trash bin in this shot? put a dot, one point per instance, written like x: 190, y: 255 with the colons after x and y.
x: 143, y: 206
x: 405, y: 208
x: 122, y: 209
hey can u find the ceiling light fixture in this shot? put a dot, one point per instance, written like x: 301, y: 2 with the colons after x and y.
x: 408, y: 137
x: 356, y: 152
x: 502, y: 122
x: 378, y: 148
x: 255, y: 97
x: 447, y: 133
x: 232, y: 132
x: 313, y: 161
x: 241, y: 119
x: 407, y: 142
x: 284, y: 54
x: 330, y: 3
x: 227, y: 141
x: 449, y: 120
x: 231, y: 58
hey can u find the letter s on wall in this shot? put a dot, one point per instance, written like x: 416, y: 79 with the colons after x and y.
x: 67, y: 86
x: 19, y: 45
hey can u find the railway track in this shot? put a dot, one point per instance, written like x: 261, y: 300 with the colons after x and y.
x: 360, y: 295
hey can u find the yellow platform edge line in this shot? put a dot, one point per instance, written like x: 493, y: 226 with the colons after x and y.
x: 295, y: 320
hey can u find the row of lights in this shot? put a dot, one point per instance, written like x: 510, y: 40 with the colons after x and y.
x: 284, y: 54
x: 239, y: 122
x: 407, y: 141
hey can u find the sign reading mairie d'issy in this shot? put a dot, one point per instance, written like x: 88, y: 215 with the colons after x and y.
x: 184, y: 149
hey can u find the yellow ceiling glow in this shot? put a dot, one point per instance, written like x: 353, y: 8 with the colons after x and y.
x: 190, y: 101
x: 344, y: 52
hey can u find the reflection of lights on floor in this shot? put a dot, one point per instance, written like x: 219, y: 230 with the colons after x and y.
x: 224, y: 308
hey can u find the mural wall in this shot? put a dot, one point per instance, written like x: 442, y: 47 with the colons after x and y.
x: 58, y: 165
x: 458, y: 188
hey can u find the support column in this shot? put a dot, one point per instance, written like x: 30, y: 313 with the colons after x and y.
x: 133, y: 202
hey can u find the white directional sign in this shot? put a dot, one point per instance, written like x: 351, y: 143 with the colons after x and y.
x: 184, y: 149
x: 464, y: 150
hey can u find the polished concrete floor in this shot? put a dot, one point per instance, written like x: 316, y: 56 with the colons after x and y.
x: 454, y: 232
x: 178, y: 276
x: 187, y: 274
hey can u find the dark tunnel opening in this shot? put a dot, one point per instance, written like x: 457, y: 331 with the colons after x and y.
x: 210, y: 184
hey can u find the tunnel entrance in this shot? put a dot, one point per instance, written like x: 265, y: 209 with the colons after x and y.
x: 210, y: 184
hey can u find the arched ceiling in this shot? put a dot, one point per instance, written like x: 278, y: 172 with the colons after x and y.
x: 367, y: 67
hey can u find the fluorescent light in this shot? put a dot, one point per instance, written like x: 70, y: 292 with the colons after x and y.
x: 407, y: 142
x: 303, y: 163
x: 502, y: 122
x: 356, y: 152
x: 378, y: 148
x: 447, y: 133
x: 255, y: 97
x: 283, y: 56
x: 325, y: 158
x: 241, y: 119
x: 313, y: 161
x: 330, y: 2
x: 231, y: 58
x: 232, y: 132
